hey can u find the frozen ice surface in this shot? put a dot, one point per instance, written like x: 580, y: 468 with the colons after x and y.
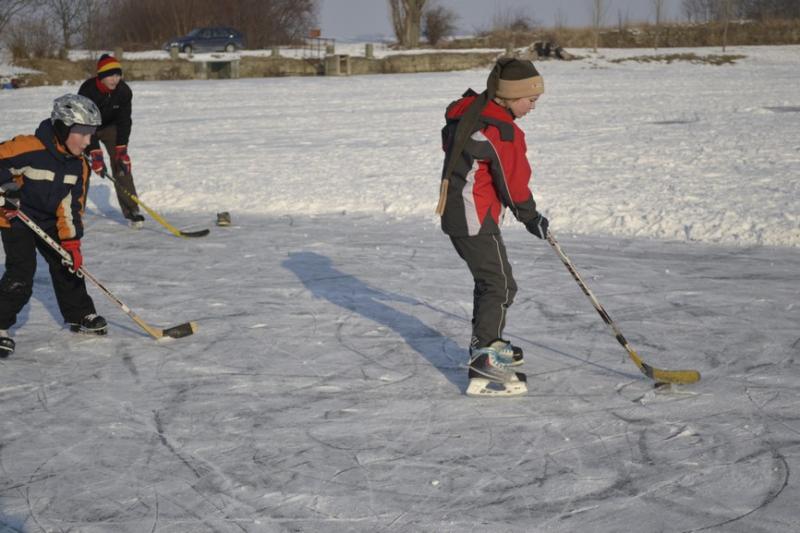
x: 323, y: 391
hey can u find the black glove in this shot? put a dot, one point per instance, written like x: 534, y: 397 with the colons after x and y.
x: 538, y: 226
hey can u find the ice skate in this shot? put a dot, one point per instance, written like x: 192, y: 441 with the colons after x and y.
x: 509, y: 354
x: 93, y: 324
x: 489, y: 375
x: 136, y: 221
x: 223, y: 219
x: 6, y: 344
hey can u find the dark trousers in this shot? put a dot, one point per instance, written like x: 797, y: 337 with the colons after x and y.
x: 124, y: 181
x: 495, y: 287
x: 16, y: 285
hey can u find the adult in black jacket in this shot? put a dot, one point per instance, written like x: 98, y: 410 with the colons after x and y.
x: 113, y: 97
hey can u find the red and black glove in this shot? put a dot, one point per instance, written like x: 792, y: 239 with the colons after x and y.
x: 73, y: 246
x: 9, y: 200
x: 122, y: 157
x: 96, y: 160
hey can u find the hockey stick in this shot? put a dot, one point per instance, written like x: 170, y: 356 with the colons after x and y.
x: 172, y: 229
x: 657, y: 374
x: 176, y: 332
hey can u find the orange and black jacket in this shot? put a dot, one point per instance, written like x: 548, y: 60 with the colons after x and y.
x: 53, y: 183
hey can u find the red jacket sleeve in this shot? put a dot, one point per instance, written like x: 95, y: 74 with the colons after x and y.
x: 511, y: 174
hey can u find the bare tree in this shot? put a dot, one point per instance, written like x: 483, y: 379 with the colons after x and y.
x: 766, y: 9
x: 599, y: 10
x: 406, y: 20
x: 725, y: 13
x: 658, y: 11
x: 560, y: 19
x: 31, y: 36
x: 93, y: 22
x: 510, y: 19
x: 9, y: 8
x: 66, y: 17
x: 439, y: 22
x: 263, y: 22
x: 699, y: 10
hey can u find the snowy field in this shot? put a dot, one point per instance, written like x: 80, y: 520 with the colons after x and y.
x: 323, y: 391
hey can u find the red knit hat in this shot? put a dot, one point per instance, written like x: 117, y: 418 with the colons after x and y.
x: 108, y: 65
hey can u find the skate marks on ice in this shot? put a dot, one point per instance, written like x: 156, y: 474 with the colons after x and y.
x: 318, y: 399
x: 326, y: 282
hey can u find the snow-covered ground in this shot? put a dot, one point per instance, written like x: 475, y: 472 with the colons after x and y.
x: 324, y: 388
x: 356, y: 49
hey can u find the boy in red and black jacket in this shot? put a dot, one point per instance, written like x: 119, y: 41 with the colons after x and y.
x: 486, y: 170
x: 114, y: 99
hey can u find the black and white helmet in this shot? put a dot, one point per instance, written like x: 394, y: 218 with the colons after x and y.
x: 72, y: 109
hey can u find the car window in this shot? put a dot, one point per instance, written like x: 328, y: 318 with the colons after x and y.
x: 193, y: 33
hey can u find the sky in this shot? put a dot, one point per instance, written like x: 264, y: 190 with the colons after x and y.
x: 323, y: 390
x: 361, y: 19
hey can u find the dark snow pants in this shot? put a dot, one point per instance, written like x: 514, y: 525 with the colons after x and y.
x: 16, y: 286
x: 124, y: 181
x: 495, y: 287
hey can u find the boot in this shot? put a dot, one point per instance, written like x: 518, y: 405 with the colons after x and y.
x: 509, y: 354
x: 6, y: 344
x: 91, y: 323
x: 136, y: 221
x: 490, y: 375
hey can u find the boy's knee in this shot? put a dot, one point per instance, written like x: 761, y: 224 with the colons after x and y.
x: 15, y: 287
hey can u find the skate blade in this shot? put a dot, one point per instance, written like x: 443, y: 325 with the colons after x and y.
x: 481, y: 387
x: 75, y: 328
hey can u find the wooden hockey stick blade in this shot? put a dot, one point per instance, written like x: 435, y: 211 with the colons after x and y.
x: 680, y: 377
x: 181, y: 330
x: 659, y: 375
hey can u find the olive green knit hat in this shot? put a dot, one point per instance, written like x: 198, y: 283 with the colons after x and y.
x: 514, y: 78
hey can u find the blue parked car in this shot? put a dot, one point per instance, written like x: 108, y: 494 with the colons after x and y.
x: 215, y: 39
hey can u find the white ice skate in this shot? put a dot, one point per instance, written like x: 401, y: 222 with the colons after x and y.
x: 490, y: 376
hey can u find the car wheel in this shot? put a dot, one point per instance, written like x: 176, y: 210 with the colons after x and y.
x: 187, y: 49
x: 230, y: 48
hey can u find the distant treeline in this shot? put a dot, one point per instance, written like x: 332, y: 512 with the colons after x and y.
x: 45, y: 28
x: 719, y: 10
x: 714, y: 33
x: 148, y: 23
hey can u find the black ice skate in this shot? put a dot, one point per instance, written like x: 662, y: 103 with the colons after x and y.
x: 92, y: 324
x: 136, y: 221
x: 6, y: 344
x: 490, y: 375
